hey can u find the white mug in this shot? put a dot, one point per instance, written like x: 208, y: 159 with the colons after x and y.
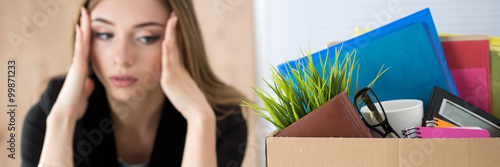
x: 402, y: 114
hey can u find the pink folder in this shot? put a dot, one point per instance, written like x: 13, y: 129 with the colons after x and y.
x: 449, y: 132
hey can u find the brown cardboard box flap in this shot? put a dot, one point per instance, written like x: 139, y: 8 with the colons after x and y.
x: 335, y: 118
x: 319, y: 152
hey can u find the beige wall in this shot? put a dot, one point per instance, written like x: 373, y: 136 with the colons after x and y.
x: 226, y: 27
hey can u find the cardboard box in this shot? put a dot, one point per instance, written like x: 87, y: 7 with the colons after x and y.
x: 317, y: 152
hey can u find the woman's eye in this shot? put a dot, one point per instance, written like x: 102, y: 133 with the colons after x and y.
x: 149, y: 39
x: 104, y: 36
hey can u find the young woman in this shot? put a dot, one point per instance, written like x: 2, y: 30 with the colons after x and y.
x: 139, y: 92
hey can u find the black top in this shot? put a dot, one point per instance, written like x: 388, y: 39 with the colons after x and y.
x: 94, y: 142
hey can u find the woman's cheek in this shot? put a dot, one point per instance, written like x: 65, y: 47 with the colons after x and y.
x: 99, y: 58
x: 151, y: 54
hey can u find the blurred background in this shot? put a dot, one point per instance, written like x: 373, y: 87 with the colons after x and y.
x: 243, y: 39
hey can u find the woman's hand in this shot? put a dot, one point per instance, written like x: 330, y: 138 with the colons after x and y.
x: 189, y: 100
x: 176, y: 82
x: 72, y: 100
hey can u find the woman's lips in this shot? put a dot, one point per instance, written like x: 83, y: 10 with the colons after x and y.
x: 122, y: 80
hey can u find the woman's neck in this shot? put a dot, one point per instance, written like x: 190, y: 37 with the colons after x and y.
x: 135, y: 124
x: 141, y: 114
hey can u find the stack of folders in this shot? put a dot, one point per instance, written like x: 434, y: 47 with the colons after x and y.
x: 473, y: 63
x: 449, y: 132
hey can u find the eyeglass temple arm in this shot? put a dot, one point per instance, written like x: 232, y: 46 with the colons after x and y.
x: 373, y: 110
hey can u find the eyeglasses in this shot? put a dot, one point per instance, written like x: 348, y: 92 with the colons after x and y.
x: 372, y: 113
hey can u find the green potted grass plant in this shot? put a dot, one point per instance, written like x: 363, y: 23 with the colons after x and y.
x: 306, y: 88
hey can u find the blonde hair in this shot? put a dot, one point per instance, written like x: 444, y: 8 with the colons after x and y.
x: 223, y: 98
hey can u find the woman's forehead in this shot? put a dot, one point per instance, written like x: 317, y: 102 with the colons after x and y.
x: 130, y: 12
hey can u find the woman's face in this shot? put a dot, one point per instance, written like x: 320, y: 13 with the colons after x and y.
x: 126, y: 46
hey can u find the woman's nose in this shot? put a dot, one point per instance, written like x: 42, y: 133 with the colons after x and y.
x: 123, y: 53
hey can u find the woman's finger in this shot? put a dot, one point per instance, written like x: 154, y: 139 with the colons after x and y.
x: 169, y: 45
x: 82, y: 42
x: 86, y: 31
x: 78, y: 44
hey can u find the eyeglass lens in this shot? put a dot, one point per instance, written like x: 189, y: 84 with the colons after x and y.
x: 370, y: 108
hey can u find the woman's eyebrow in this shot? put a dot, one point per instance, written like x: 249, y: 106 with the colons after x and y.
x: 149, y: 24
x: 136, y: 26
x: 102, y: 20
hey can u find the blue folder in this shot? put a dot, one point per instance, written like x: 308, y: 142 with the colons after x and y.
x: 409, y: 46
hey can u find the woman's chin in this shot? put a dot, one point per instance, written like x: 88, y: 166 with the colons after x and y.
x: 122, y: 95
x: 135, y: 94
